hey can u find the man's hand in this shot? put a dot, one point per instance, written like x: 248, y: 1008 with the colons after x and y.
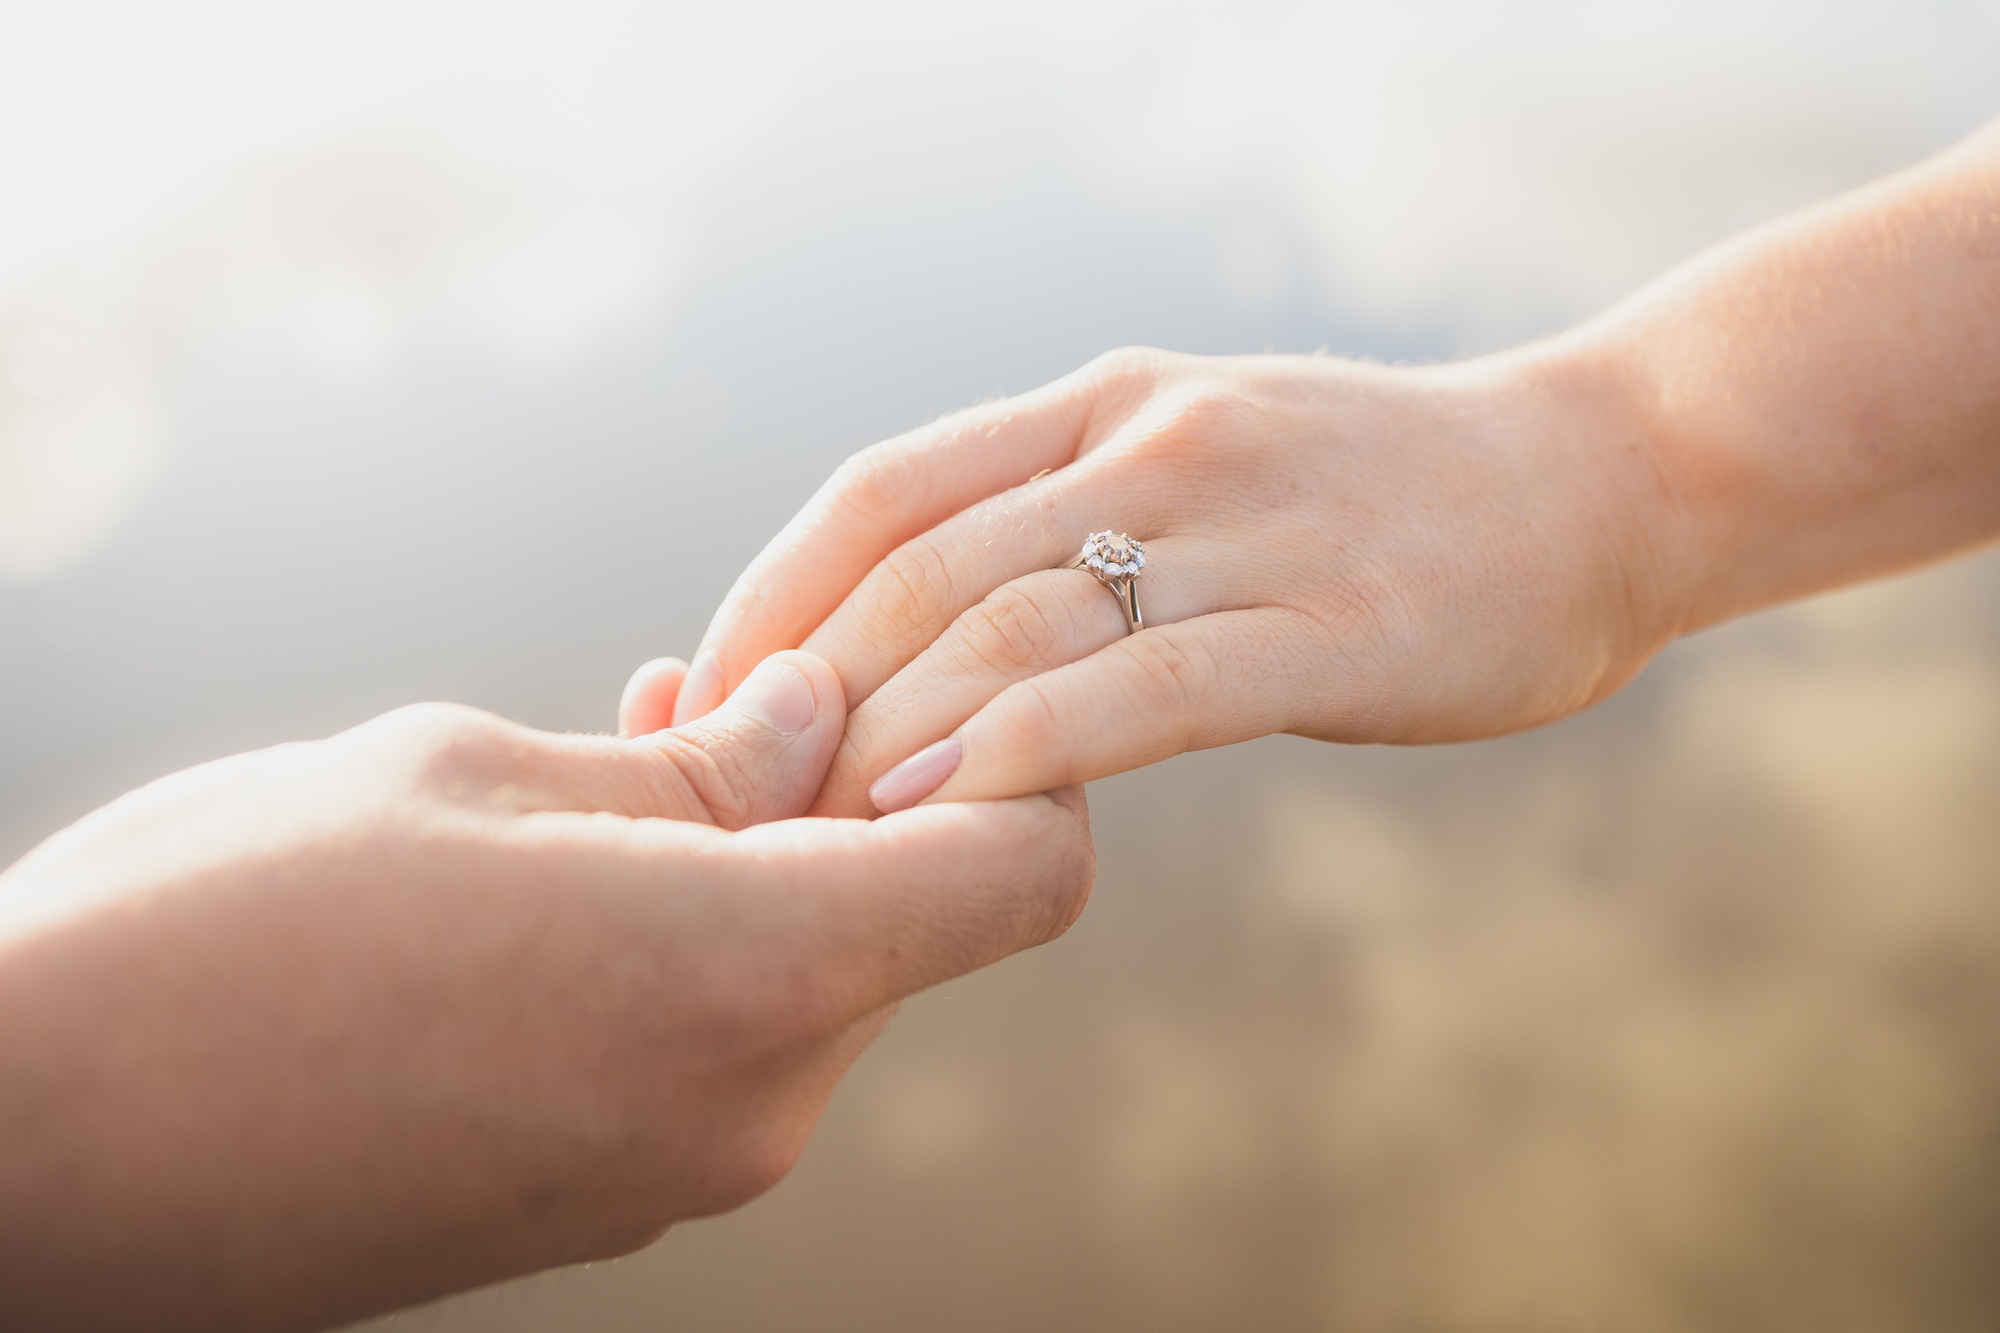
x: 339, y: 1026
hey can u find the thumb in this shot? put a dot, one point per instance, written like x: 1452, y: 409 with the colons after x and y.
x: 761, y: 756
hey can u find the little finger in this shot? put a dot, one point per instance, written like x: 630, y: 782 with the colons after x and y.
x: 1213, y: 680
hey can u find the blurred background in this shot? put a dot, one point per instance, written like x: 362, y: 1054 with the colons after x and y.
x: 358, y: 354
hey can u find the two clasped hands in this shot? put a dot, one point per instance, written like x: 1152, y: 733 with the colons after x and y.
x: 337, y: 1026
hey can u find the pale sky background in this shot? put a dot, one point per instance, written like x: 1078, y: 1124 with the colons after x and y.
x: 1466, y: 174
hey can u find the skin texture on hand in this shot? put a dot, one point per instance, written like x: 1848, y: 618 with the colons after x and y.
x: 1397, y: 554
x: 335, y: 1027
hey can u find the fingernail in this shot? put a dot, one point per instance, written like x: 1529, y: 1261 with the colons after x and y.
x: 701, y: 688
x: 916, y: 777
x: 779, y: 696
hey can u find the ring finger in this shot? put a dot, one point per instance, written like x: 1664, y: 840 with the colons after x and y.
x: 921, y: 588
x: 1035, y: 623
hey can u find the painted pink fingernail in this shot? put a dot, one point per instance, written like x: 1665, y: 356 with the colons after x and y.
x: 916, y: 777
x: 701, y: 688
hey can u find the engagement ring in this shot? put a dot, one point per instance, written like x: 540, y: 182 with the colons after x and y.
x: 1115, y: 560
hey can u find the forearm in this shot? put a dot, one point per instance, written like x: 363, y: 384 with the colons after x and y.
x: 1820, y: 399
x: 208, y: 1125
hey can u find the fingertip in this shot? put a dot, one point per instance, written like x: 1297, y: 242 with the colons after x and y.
x: 790, y: 692
x: 827, y: 689
x: 917, y: 777
x: 702, y: 689
x: 647, y: 705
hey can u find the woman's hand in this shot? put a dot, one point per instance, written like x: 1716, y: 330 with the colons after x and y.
x: 1363, y: 553
x: 331, y: 1028
x: 1350, y: 552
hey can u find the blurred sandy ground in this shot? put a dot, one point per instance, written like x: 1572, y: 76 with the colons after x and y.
x: 350, y: 357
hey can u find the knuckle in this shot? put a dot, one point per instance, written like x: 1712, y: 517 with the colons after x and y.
x: 1125, y: 366
x: 1207, y: 410
x: 912, y: 587
x: 435, y: 722
x: 878, y: 484
x: 1193, y: 436
x: 449, y: 741
x: 1190, y: 425
x: 1012, y: 629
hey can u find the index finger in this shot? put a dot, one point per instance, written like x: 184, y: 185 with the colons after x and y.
x: 876, y: 501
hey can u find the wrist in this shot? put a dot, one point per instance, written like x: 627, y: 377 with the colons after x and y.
x: 1589, y: 414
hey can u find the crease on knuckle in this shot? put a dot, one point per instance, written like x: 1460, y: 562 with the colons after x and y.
x: 1012, y: 630
x: 913, y: 588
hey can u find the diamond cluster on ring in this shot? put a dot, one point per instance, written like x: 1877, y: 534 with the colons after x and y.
x: 1113, y: 553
